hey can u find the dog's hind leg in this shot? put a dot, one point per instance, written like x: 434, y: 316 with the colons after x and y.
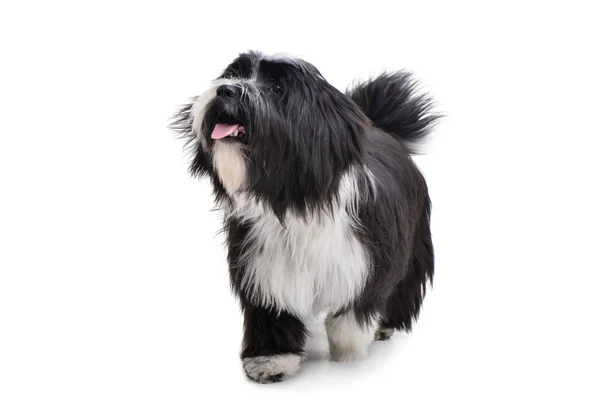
x: 348, y: 338
x: 404, y: 304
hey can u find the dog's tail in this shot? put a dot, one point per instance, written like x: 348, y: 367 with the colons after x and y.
x: 392, y: 103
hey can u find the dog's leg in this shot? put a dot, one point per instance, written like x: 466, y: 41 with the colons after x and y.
x: 273, y: 344
x: 348, y: 339
x: 384, y: 333
x: 405, y: 302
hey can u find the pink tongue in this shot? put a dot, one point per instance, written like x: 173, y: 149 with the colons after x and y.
x: 223, y: 130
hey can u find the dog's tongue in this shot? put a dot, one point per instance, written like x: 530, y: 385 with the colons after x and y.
x: 223, y: 130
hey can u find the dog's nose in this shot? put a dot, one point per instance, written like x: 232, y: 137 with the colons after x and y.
x: 228, y: 91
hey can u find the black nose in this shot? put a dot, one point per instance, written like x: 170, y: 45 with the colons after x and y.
x: 228, y: 91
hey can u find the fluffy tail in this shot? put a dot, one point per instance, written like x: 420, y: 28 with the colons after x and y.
x: 391, y: 102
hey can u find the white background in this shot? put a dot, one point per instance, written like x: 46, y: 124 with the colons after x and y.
x: 113, y: 282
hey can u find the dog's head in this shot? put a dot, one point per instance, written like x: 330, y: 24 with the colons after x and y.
x: 273, y: 127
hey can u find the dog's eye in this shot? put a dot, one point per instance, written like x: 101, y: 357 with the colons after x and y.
x: 277, y: 89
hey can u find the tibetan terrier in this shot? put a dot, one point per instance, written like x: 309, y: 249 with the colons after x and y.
x: 323, y: 208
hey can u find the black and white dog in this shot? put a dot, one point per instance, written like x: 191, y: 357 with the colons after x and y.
x: 324, y: 209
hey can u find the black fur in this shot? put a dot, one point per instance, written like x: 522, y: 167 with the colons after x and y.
x: 267, y: 333
x: 302, y: 136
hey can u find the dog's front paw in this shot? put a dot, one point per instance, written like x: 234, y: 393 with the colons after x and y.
x: 267, y: 369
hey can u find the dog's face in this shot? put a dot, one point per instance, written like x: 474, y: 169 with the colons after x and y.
x: 253, y: 99
x: 275, y: 128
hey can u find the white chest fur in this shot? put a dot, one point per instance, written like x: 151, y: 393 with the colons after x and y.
x: 228, y: 161
x: 306, y: 266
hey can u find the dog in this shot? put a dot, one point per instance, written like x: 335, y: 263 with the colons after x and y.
x: 324, y: 209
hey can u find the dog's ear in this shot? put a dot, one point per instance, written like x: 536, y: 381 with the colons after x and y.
x: 326, y: 137
x: 332, y: 133
x: 340, y: 122
x: 304, y: 148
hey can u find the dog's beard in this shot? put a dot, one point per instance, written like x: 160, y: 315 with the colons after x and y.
x: 225, y: 136
x: 229, y: 163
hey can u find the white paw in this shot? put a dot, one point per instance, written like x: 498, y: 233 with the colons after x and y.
x: 348, y: 340
x: 267, y: 369
x: 347, y: 354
